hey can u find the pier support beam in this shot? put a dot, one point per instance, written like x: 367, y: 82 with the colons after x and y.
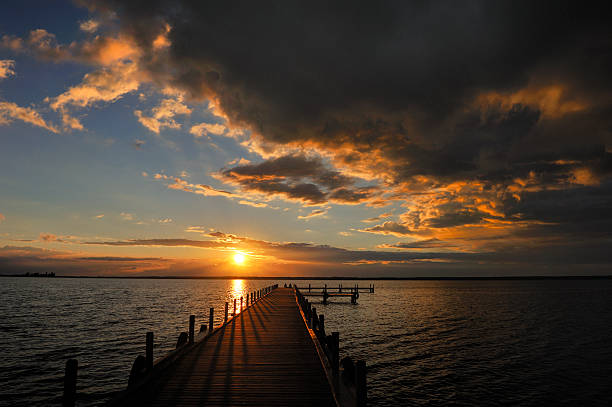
x: 211, y: 317
x: 191, y: 328
x: 70, y: 379
x: 149, y: 351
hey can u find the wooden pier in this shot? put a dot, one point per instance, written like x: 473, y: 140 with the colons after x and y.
x: 274, y: 352
x: 328, y: 292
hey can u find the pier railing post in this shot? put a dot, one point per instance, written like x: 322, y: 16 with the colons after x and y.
x: 70, y: 379
x: 211, y: 317
x: 360, y: 383
x: 335, y: 348
x: 240, y: 304
x: 315, y: 319
x: 226, y: 307
x: 191, y: 328
x: 322, y: 325
x: 149, y: 351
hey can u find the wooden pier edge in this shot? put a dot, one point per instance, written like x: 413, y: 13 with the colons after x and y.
x: 342, y: 394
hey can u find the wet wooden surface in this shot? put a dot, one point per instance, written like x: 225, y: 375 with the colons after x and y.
x: 264, y: 357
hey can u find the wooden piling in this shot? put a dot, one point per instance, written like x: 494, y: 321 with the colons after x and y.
x: 149, y: 351
x: 70, y: 379
x: 211, y: 318
x: 360, y: 383
x: 335, y: 348
x: 240, y: 304
x: 322, y: 325
x: 191, y: 328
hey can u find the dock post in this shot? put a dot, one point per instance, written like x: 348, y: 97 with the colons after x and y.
x: 360, y: 383
x: 70, y: 379
x: 335, y: 339
x: 211, y: 318
x: 240, y: 304
x: 149, y: 351
x: 314, y: 318
x: 325, y: 296
x: 226, y: 307
x: 191, y: 328
x: 322, y: 325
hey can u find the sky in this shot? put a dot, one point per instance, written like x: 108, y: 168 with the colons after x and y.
x: 399, y: 139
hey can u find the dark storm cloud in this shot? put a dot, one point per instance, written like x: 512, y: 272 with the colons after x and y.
x: 419, y: 244
x: 395, y: 77
x: 299, y: 178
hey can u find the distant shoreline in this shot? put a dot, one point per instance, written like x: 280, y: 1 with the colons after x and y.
x: 422, y: 278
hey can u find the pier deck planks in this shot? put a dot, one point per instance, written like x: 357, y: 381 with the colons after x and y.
x: 264, y: 357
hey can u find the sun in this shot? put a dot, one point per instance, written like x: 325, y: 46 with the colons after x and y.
x: 239, y: 258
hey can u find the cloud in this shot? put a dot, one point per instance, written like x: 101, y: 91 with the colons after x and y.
x: 7, y: 68
x: 203, y: 129
x: 11, y: 111
x: 199, y: 189
x: 89, y: 26
x: 378, y: 218
x: 104, y: 85
x: 297, y: 178
x: 390, y: 228
x: 163, y: 115
x: 99, y: 50
x: 126, y: 216
x: 315, y: 213
x: 50, y: 237
x: 419, y: 244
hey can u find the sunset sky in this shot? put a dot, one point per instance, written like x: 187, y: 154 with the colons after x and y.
x: 320, y: 139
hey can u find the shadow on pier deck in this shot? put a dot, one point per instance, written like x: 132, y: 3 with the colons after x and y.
x: 263, y: 357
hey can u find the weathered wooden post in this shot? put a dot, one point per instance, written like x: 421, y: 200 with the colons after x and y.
x: 322, y: 325
x: 240, y: 304
x: 360, y: 383
x: 149, y: 351
x: 314, y: 318
x: 335, y: 348
x: 211, y: 318
x: 226, y: 307
x: 339, y: 287
x: 191, y: 328
x: 70, y: 379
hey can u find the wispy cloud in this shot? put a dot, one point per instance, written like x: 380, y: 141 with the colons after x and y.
x: 7, y: 68
x: 11, y: 111
x: 89, y: 26
x: 315, y: 213
x: 163, y: 115
x: 203, y: 129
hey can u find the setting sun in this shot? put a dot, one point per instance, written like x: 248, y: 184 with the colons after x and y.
x: 239, y: 258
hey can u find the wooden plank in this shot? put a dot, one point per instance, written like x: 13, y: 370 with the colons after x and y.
x: 263, y: 357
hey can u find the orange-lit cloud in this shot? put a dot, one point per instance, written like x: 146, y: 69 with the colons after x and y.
x: 7, y: 68
x: 11, y: 111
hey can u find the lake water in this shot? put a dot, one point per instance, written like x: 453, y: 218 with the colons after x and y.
x: 527, y: 343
